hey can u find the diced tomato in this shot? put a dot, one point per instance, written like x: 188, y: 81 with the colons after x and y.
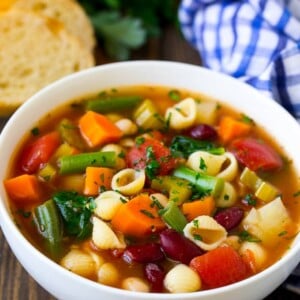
x: 256, y: 155
x: 39, y: 152
x: 138, y: 156
x: 220, y: 267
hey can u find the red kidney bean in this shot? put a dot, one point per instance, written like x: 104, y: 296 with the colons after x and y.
x: 230, y: 217
x: 202, y: 132
x: 144, y: 253
x: 178, y: 247
x: 155, y: 274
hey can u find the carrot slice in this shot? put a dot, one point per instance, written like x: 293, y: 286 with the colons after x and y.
x: 98, y: 129
x: 230, y: 128
x: 23, y: 189
x: 138, y: 217
x: 197, y: 208
x: 96, y: 179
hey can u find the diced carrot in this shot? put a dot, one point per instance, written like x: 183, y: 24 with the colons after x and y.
x: 97, y: 129
x: 199, y: 207
x: 220, y: 267
x: 230, y: 128
x: 23, y: 189
x: 96, y: 179
x: 138, y: 217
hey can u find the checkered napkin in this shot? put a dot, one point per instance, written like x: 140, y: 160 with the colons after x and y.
x: 257, y: 41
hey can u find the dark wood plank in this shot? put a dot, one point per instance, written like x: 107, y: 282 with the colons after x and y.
x: 15, y: 282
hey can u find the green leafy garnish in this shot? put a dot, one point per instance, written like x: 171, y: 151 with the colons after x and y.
x: 182, y: 146
x: 76, y: 211
x: 246, y: 236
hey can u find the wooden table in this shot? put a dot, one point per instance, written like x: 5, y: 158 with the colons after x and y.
x: 15, y: 283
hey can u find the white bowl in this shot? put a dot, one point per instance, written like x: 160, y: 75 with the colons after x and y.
x: 265, y: 112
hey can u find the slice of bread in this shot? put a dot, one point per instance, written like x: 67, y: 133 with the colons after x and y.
x: 69, y: 12
x: 35, y: 51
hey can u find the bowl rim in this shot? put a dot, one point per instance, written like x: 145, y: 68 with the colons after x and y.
x: 7, y: 223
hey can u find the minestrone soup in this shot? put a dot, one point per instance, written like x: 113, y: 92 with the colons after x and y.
x: 154, y: 189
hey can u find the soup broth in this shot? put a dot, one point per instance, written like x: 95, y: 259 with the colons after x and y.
x: 140, y: 187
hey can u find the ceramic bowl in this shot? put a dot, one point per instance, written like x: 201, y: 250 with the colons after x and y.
x: 266, y: 112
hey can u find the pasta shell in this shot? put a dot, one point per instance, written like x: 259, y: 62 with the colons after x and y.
x: 213, y: 163
x: 107, y: 203
x: 128, y: 181
x: 231, y: 169
x: 205, y: 232
x: 104, y: 237
x: 182, y: 115
x: 227, y: 197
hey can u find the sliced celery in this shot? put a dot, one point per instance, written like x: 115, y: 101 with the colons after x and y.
x: 179, y: 190
x: 147, y: 117
x: 70, y: 134
x: 202, y: 182
x: 250, y: 179
x: 173, y: 216
x: 48, y: 172
x: 266, y: 192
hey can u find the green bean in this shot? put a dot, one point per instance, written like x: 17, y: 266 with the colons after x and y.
x: 48, y: 222
x: 112, y: 103
x: 77, y: 163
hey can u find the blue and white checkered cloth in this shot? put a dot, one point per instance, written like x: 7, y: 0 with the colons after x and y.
x: 257, y: 41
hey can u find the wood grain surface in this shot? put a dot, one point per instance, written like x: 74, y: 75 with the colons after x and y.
x: 15, y: 282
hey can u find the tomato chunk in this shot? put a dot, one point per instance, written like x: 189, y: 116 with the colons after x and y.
x: 147, y: 153
x: 220, y: 267
x: 256, y: 155
x: 39, y: 152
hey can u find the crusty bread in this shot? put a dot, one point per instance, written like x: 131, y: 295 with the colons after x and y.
x: 35, y: 51
x: 69, y: 12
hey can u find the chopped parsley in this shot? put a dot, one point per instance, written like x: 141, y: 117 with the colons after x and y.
x: 174, y: 95
x: 147, y: 213
x: 246, y: 236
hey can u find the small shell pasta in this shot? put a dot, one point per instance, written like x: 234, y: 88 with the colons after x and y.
x: 224, y: 166
x: 182, y: 279
x: 227, y: 197
x: 107, y: 203
x: 213, y: 163
x: 104, y: 237
x: 257, y: 251
x: 79, y: 262
x: 205, y: 232
x: 128, y: 181
x: 231, y: 169
x: 182, y: 115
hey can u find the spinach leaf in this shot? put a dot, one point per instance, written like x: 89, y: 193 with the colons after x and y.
x: 182, y: 146
x: 76, y: 211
